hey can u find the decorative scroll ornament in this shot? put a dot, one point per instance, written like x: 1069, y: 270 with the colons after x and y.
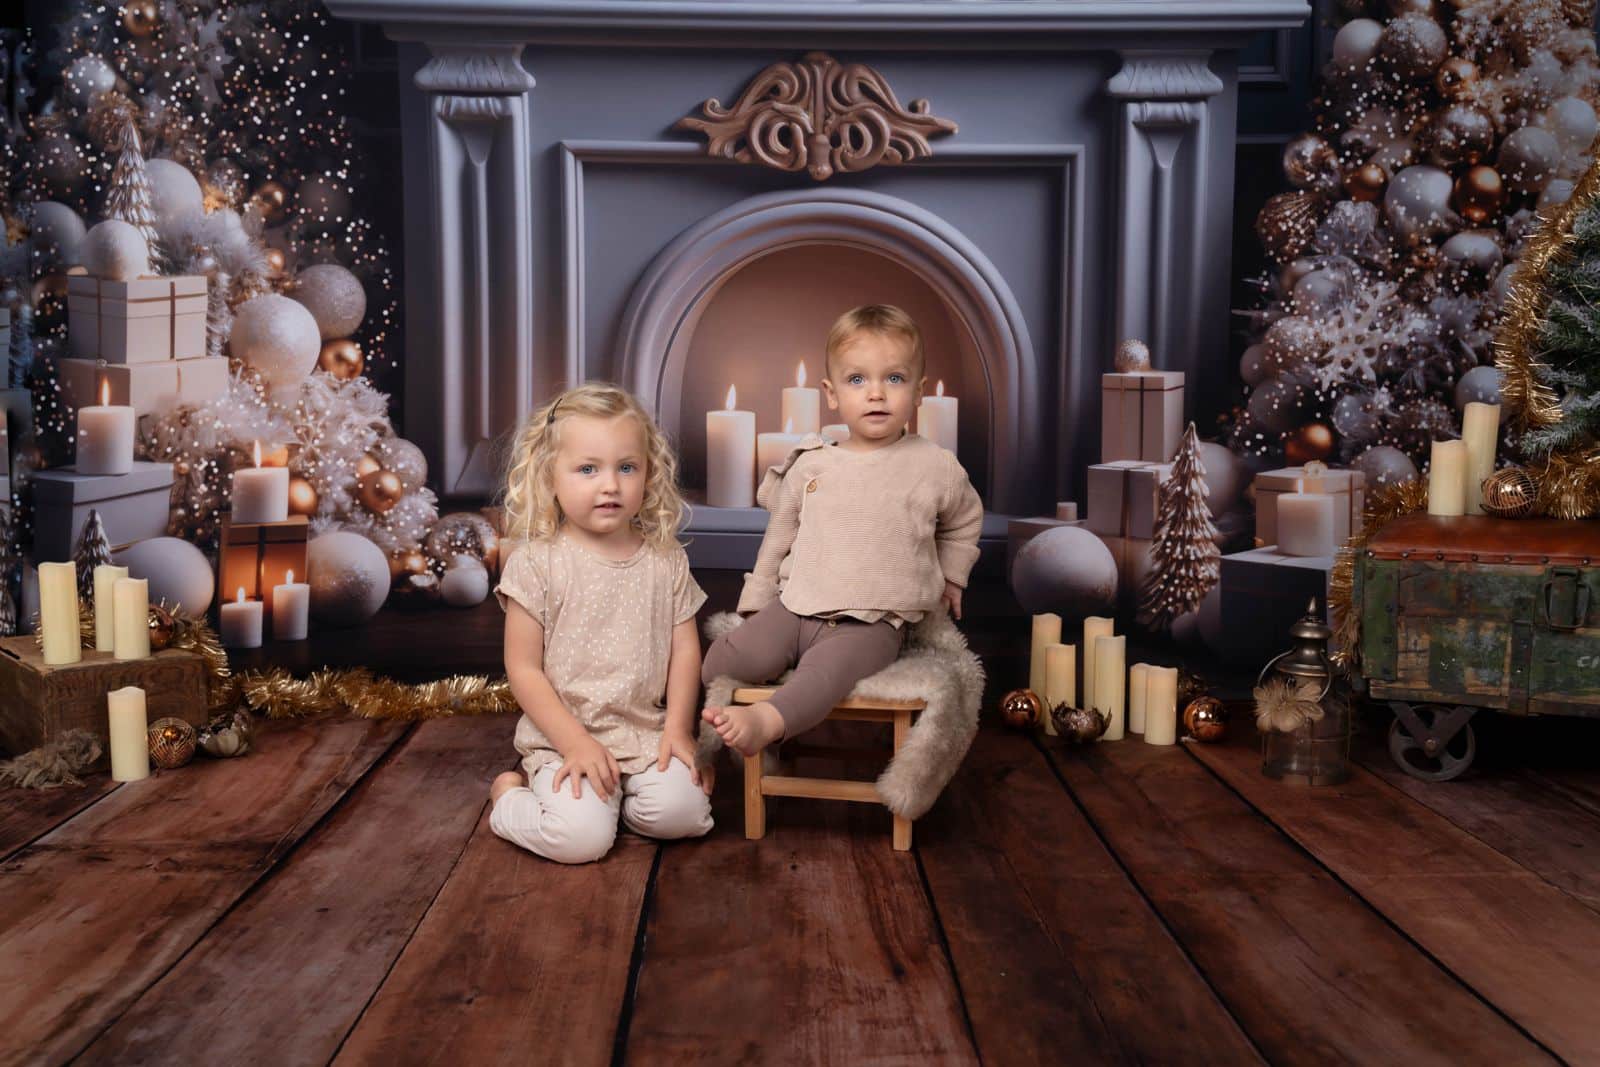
x: 818, y: 115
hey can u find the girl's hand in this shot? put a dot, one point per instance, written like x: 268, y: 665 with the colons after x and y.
x: 952, y: 597
x: 589, y: 759
x: 680, y: 744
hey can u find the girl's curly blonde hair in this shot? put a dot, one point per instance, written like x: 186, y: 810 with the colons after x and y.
x: 531, y: 509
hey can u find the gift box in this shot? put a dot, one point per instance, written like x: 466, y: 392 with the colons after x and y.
x: 134, y: 506
x: 1144, y: 498
x: 1111, y: 496
x: 1347, y: 487
x: 256, y: 556
x: 202, y: 380
x: 138, y: 321
x: 1141, y: 415
x: 1264, y: 592
x: 144, y: 387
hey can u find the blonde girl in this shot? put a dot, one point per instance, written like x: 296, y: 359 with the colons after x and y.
x: 600, y: 643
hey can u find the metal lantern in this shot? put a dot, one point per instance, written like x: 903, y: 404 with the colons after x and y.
x: 1317, y: 752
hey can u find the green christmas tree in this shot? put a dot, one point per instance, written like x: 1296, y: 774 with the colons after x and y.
x: 1569, y: 336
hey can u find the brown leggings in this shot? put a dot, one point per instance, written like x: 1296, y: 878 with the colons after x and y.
x: 829, y: 657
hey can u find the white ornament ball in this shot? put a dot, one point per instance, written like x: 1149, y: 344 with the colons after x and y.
x: 404, y: 460
x: 1385, y: 465
x: 278, y: 337
x: 1252, y: 366
x: 1529, y: 158
x: 334, y: 297
x: 1502, y: 283
x: 1224, y: 477
x: 1475, y: 250
x: 87, y: 78
x: 1356, y: 42
x: 116, y: 250
x: 1573, y: 122
x: 57, y: 233
x: 1066, y: 570
x: 465, y: 583
x: 349, y: 578
x: 1417, y: 203
x: 1556, y: 191
x: 177, y: 571
x: 174, y: 192
x: 1479, y: 385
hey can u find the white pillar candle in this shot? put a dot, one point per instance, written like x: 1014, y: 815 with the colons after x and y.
x: 836, y: 433
x: 1094, y: 626
x: 260, y: 494
x: 1110, y: 683
x: 58, y: 613
x: 802, y: 407
x: 105, y: 436
x: 105, y: 580
x: 1480, y: 430
x: 1305, y: 524
x: 130, y: 609
x: 1138, y: 679
x: 730, y: 456
x: 1046, y: 632
x: 130, y: 742
x: 773, y: 448
x: 1060, y: 681
x: 291, y: 607
x: 241, y: 622
x: 1067, y: 510
x: 936, y: 418
x: 1161, y: 706
x: 1447, y: 478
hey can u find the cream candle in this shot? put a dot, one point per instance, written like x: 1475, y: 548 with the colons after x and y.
x: 130, y: 609
x: 260, y: 494
x: 1480, y: 430
x: 1138, y: 678
x: 130, y: 743
x: 241, y: 622
x: 1161, y: 706
x: 1447, y: 478
x: 291, y: 608
x: 773, y: 448
x: 936, y: 418
x: 1093, y: 627
x: 58, y: 613
x: 1110, y: 683
x: 105, y: 436
x: 802, y: 407
x: 1305, y: 524
x: 1060, y: 681
x: 105, y: 580
x: 730, y: 455
x: 1046, y: 632
x: 1067, y: 510
x: 836, y: 433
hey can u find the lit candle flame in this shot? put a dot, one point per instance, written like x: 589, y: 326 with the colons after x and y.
x: 258, y: 453
x: 238, y: 598
x: 788, y: 425
x: 940, y: 390
x: 733, y: 396
x: 105, y: 391
x: 800, y: 374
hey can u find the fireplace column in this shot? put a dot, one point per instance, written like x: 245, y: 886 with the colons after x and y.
x: 474, y: 377
x: 1165, y: 235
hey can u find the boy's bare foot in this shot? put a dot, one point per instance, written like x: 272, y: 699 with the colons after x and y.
x: 504, y: 784
x: 747, y: 729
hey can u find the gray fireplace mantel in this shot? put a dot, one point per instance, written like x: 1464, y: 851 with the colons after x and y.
x: 524, y: 122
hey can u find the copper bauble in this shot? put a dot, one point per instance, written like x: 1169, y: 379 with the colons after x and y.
x: 141, y: 17
x: 342, y: 359
x: 1205, y: 719
x: 1313, y: 441
x: 1455, y: 76
x: 1309, y: 162
x: 1366, y: 182
x: 1479, y: 194
x: 463, y: 533
x: 270, y: 198
x: 275, y: 260
x: 1510, y: 493
x: 1460, y: 133
x: 1413, y: 46
x: 172, y: 743
x: 1079, y: 725
x: 1287, y: 222
x: 1292, y: 342
x: 1021, y: 709
x: 163, y: 627
x: 405, y: 564
x: 366, y: 465
x: 1132, y: 356
x: 302, y: 496
x: 379, y: 491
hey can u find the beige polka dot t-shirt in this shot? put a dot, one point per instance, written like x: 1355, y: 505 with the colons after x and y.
x: 607, y: 639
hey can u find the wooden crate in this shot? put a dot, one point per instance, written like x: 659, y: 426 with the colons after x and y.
x: 38, y: 702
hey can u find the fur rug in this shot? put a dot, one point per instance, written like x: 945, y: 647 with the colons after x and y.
x: 936, y: 666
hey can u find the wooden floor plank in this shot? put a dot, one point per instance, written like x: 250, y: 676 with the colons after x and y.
x: 286, y: 974
x: 518, y: 960
x: 1060, y: 959
x: 1310, y: 972
x: 28, y: 814
x: 98, y: 909
x: 1525, y: 946
x: 815, y: 944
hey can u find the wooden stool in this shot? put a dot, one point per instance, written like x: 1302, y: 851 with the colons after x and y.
x: 758, y: 786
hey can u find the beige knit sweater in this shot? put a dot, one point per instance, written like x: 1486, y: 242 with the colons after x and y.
x: 870, y: 535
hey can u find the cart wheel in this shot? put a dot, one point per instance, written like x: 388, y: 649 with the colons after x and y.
x: 1447, y: 761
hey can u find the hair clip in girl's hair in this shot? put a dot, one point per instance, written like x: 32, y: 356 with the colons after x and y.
x: 550, y: 420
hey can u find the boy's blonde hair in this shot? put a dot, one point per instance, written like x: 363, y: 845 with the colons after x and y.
x: 884, y: 319
x: 531, y: 509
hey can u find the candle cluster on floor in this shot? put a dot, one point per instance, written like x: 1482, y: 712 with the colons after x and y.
x: 1141, y: 700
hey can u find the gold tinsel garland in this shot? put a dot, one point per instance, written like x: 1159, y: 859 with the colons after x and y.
x: 279, y: 695
x: 1384, y: 504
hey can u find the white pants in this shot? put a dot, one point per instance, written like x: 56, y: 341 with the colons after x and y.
x: 557, y: 825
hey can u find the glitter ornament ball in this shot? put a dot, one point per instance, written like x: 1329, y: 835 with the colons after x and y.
x: 323, y: 200
x: 86, y: 78
x: 174, y: 192
x: 278, y: 338
x: 1287, y: 222
x: 57, y: 233
x: 349, y: 578
x: 115, y: 250
x: 404, y: 459
x: 1291, y: 342
x: 1021, y: 709
x: 334, y: 297
x: 1132, y: 356
x: 1413, y: 46
x: 1067, y: 570
x: 1459, y: 134
x: 1479, y: 385
x: 1385, y: 465
x: 342, y: 358
x: 1529, y: 158
x: 464, y: 533
x: 1309, y: 162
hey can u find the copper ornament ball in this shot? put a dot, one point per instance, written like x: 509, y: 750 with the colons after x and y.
x: 275, y: 260
x: 271, y: 197
x: 172, y: 743
x: 1479, y: 194
x: 141, y: 17
x: 163, y: 627
x: 343, y: 359
x: 302, y: 496
x: 1313, y: 441
x: 1205, y: 719
x: 366, y: 465
x: 379, y: 491
x: 1455, y: 76
x: 1366, y: 182
x: 1021, y: 709
x: 275, y: 456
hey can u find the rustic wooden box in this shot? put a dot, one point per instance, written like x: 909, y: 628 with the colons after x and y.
x: 38, y: 702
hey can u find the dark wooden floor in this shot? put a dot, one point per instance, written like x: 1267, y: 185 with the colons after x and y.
x: 337, y: 895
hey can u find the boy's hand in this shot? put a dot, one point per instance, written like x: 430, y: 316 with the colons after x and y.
x: 952, y: 597
x: 589, y: 759
x: 679, y: 743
